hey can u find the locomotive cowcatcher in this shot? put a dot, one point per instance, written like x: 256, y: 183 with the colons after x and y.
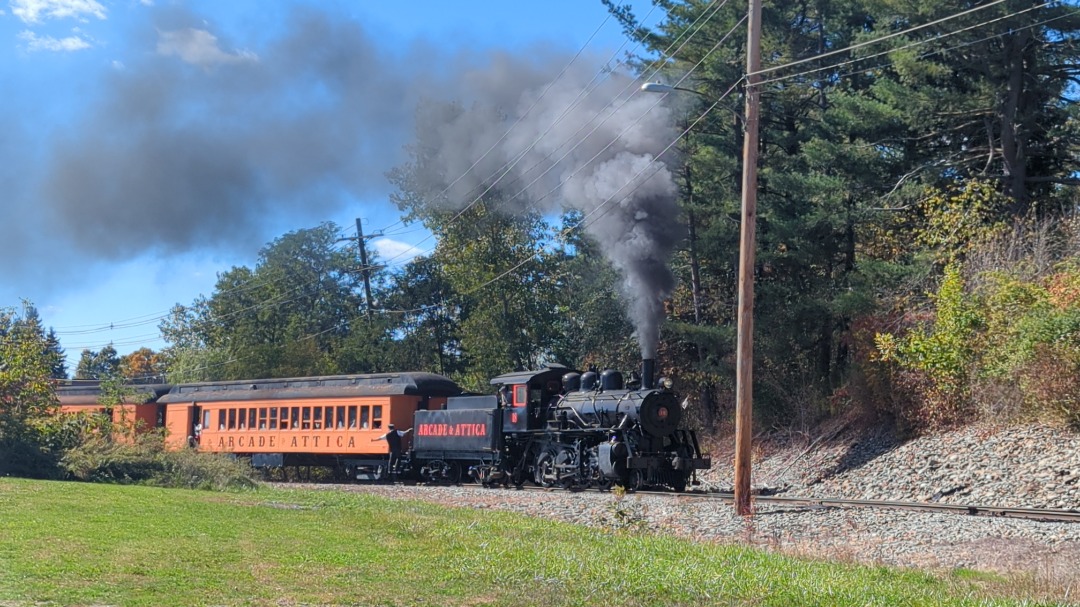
x: 559, y: 427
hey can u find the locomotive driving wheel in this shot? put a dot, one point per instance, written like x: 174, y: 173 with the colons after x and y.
x: 565, y: 463
x: 545, y: 474
x: 453, y: 473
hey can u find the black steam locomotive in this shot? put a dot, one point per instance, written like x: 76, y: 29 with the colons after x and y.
x: 560, y: 427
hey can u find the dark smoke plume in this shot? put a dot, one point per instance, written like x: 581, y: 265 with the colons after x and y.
x: 196, y: 144
x: 600, y: 157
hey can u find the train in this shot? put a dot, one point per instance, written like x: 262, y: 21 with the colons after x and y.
x: 553, y: 427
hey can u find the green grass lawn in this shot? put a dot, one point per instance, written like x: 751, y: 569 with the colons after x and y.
x: 89, y: 544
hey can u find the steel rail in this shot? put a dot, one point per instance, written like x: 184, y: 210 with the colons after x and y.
x: 1032, y: 514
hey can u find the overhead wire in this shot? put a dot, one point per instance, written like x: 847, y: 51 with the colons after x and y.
x: 907, y: 46
x: 148, y: 319
x: 717, y: 102
x: 614, y: 140
x: 875, y: 40
x: 517, y: 159
x: 581, y: 224
x: 521, y: 264
x: 611, y: 110
x: 250, y: 284
x: 153, y: 317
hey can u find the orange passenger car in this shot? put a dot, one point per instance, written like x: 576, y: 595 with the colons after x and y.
x: 313, y: 421
x: 139, y: 409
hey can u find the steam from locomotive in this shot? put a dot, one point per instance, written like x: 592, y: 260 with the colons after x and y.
x: 597, y: 152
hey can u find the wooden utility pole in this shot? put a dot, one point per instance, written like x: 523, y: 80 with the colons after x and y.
x: 744, y: 352
x: 365, y: 269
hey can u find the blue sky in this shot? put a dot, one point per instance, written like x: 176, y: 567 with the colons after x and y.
x: 101, y: 233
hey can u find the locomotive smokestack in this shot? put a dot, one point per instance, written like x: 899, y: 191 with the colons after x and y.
x: 648, y: 369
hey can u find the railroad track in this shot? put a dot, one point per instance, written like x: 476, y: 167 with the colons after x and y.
x: 1031, y: 514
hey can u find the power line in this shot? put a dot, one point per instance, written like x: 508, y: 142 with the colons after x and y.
x: 510, y: 164
x: 526, y: 113
x: 909, y: 45
x: 582, y: 222
x: 613, y: 111
x: 876, y: 40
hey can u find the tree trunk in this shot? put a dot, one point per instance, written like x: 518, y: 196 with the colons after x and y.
x: 1012, y: 135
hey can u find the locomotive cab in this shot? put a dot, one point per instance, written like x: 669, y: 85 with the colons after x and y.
x: 531, y: 393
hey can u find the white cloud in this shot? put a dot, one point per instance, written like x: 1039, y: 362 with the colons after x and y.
x: 33, y: 11
x: 395, y: 252
x: 198, y: 47
x: 48, y: 43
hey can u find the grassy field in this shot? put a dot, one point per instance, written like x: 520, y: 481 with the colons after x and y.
x: 87, y: 544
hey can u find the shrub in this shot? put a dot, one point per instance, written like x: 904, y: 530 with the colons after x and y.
x: 934, y: 363
x: 1008, y: 346
x: 101, y: 459
x: 1050, y: 384
x: 957, y: 218
x: 146, y: 461
x: 193, y: 470
x: 1033, y: 340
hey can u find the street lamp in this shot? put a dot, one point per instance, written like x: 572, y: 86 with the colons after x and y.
x: 744, y: 348
x: 657, y: 87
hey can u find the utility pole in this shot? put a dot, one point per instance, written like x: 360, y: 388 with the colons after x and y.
x: 365, y: 269
x: 744, y: 351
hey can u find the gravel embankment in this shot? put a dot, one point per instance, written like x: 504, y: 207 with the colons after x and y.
x: 1028, y: 466
x: 1022, y: 467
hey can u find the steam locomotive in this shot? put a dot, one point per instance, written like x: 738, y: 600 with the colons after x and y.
x: 553, y: 427
x: 560, y: 427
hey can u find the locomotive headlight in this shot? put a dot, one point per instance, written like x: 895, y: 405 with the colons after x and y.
x: 666, y: 383
x: 661, y: 413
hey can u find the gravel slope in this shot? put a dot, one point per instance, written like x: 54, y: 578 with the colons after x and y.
x: 1020, y: 466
